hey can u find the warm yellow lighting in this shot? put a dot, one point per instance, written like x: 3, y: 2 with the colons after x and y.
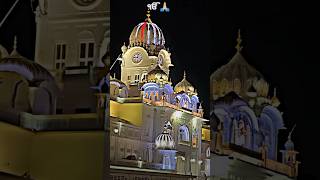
x: 205, y: 134
x: 194, y: 122
x: 131, y: 112
x: 177, y: 115
x: 116, y: 130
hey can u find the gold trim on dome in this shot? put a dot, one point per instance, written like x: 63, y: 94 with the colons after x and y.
x: 185, y: 86
x: 148, y: 19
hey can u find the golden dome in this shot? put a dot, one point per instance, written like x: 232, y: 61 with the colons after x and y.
x: 185, y: 86
x: 157, y: 75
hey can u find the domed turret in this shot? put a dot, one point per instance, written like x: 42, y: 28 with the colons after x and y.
x: 289, y: 145
x: 117, y: 88
x: 157, y: 75
x: 185, y: 86
x: 165, y: 141
x: 238, y: 76
x: 148, y: 35
x: 32, y: 71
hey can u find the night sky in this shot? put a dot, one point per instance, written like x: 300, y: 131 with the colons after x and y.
x: 20, y: 22
x: 201, y: 36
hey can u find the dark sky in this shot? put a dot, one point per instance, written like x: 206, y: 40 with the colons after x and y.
x: 20, y: 22
x: 201, y: 36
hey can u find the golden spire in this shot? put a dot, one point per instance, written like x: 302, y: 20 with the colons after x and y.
x: 164, y: 5
x: 184, y: 74
x: 15, y: 43
x: 148, y: 17
x: 239, y: 40
x: 14, y: 51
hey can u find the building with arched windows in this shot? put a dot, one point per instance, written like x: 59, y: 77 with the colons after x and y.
x: 245, y: 124
x: 52, y: 107
x: 155, y: 125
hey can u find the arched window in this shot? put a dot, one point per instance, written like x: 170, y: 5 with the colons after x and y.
x: 208, y: 152
x: 184, y: 134
x: 151, y: 96
x: 185, y: 104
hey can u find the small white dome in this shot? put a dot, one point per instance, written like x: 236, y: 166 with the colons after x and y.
x: 289, y: 145
x: 164, y: 141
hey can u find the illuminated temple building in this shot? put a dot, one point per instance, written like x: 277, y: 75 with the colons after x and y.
x: 157, y: 128
x: 245, y: 124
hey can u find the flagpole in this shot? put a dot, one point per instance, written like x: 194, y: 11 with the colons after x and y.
x: 8, y: 13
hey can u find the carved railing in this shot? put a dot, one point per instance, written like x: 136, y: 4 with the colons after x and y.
x: 172, y: 106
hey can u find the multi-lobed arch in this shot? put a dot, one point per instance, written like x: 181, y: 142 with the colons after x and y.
x: 263, y: 128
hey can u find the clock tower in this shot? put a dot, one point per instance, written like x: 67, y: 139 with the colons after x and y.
x: 145, y: 51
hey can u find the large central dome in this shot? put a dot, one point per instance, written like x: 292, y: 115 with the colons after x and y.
x: 148, y: 35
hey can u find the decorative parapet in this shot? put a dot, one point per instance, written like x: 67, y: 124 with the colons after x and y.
x: 291, y: 171
x: 169, y: 105
x: 60, y: 122
x: 239, y: 153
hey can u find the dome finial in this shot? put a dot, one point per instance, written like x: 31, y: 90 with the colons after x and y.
x: 239, y: 40
x: 15, y: 43
x: 148, y: 17
x: 14, y: 51
x: 289, y: 136
x: 275, y: 92
x: 184, y: 74
x: 289, y: 145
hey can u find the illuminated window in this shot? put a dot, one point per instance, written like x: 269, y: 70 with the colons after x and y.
x: 184, y: 134
x: 60, y: 55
